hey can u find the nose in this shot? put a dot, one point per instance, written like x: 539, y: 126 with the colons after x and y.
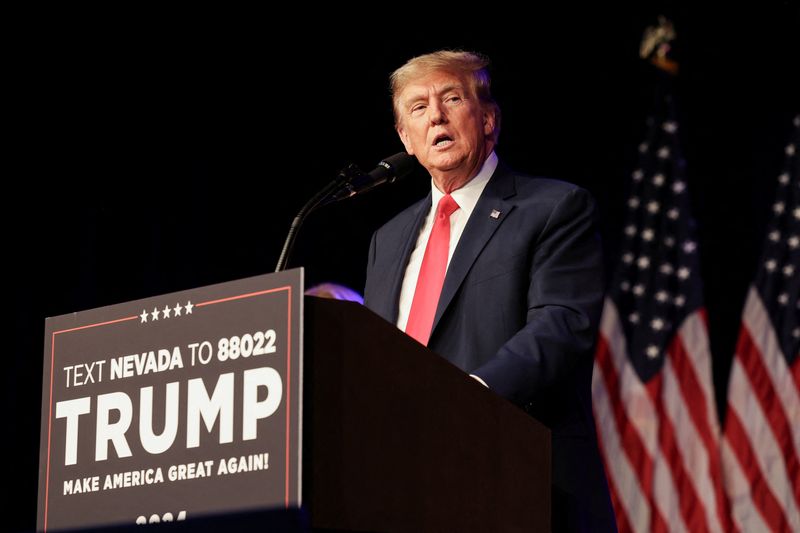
x: 437, y: 114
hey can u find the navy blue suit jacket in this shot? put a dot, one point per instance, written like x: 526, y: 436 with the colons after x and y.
x: 519, y: 308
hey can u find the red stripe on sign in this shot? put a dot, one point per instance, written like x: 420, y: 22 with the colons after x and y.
x: 288, y: 388
x: 763, y: 498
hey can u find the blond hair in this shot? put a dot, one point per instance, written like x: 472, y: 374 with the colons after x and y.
x: 470, y: 65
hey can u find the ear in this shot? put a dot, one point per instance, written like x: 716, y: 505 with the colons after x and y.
x: 405, y: 139
x: 488, y: 121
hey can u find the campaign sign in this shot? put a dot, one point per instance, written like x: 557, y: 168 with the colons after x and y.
x: 174, y: 407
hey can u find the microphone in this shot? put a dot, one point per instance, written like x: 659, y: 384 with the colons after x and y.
x: 349, y: 182
x: 389, y: 170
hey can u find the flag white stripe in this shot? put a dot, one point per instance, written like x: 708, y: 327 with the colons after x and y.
x: 759, y: 326
x: 771, y: 463
x: 737, y: 487
x: 665, y: 495
x: 642, y: 414
x: 694, y: 454
x: 636, y: 401
x: 694, y: 336
x: 625, y: 481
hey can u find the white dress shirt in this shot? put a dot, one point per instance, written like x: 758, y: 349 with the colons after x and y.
x: 466, y: 197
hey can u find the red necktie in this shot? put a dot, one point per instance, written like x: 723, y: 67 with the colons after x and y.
x: 431, y: 274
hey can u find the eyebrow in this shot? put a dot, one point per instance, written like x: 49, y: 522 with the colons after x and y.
x: 422, y: 95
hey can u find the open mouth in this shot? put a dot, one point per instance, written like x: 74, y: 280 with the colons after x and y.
x: 443, y: 140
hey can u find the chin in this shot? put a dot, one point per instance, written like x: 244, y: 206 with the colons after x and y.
x: 448, y: 163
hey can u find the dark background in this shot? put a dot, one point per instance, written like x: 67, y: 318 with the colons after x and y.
x: 153, y: 154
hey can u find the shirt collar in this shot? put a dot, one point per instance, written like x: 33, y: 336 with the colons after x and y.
x: 467, y: 196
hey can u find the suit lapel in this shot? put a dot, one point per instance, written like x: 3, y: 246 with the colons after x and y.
x: 489, y: 213
x: 408, y: 236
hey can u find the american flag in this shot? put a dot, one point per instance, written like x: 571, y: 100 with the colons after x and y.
x: 761, y: 442
x: 652, y: 389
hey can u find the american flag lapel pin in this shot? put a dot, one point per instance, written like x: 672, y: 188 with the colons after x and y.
x: 495, y: 213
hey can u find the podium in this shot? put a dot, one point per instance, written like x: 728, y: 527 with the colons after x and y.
x: 398, y: 439
x: 245, y: 406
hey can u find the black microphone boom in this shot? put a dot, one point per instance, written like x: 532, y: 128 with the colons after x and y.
x: 388, y: 170
x: 348, y: 183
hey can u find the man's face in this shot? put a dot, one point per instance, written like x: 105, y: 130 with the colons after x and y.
x: 445, y: 126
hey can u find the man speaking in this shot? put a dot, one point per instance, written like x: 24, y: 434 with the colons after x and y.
x: 497, y: 272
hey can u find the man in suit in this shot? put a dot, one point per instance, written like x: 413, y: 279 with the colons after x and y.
x: 498, y: 272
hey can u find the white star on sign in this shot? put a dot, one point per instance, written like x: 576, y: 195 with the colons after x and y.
x: 689, y: 246
x: 680, y: 300
x: 648, y: 234
x: 678, y: 187
x: 779, y: 207
x: 796, y: 333
x: 669, y: 241
x: 627, y: 258
x: 652, y: 351
x: 638, y: 174
x: 783, y: 298
x: 638, y: 289
x: 790, y: 149
x: 771, y: 265
x: 775, y: 236
x: 657, y: 324
x: 658, y: 180
x: 783, y: 179
x: 144, y: 316
x: 683, y: 273
x: 796, y: 213
x: 662, y: 296
x: 673, y: 213
x: 633, y: 203
x: 630, y: 231
x: 177, y: 309
x: 666, y: 268
x: 643, y: 147
x: 625, y: 286
x: 166, y: 311
x: 653, y: 207
x: 788, y: 270
x: 663, y: 152
x: 634, y: 318
x: 189, y: 307
x: 643, y: 262
x: 670, y: 126
x: 155, y: 314
x: 794, y: 242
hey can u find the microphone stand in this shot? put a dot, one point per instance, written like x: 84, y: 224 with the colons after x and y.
x: 342, y: 181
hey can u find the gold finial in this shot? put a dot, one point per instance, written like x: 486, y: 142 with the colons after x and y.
x: 656, y: 46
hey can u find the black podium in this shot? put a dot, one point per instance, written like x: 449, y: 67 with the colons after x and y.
x: 398, y: 439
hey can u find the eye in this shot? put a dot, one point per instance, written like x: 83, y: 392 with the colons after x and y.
x: 418, y: 109
x: 453, y: 99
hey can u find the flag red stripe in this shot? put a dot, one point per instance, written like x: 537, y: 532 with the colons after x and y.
x: 634, y: 448
x: 640, y: 460
x: 761, y: 384
x: 695, y: 398
x: 691, y: 506
x: 796, y: 372
x: 623, y: 524
x: 763, y: 498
